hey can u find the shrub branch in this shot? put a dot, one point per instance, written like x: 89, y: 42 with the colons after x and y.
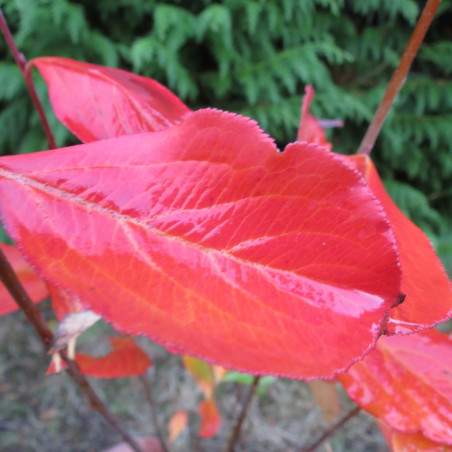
x: 21, y: 62
x: 399, y: 77
x: 34, y: 316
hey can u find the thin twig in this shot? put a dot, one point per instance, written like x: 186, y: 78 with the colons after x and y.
x: 399, y: 77
x: 329, y: 431
x: 150, y: 400
x: 34, y: 316
x: 25, y: 70
x: 238, y: 426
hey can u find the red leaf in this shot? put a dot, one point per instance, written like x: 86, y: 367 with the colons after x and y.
x: 310, y: 130
x: 410, y: 442
x: 126, y: 359
x: 34, y: 286
x: 424, y: 280
x: 407, y: 382
x: 205, y: 238
x: 96, y: 102
x: 210, y: 419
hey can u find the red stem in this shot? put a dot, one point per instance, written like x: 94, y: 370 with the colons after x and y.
x: 25, y: 70
x: 399, y: 77
x: 34, y: 316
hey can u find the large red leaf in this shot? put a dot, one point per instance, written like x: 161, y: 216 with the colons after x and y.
x: 97, y: 102
x: 407, y: 381
x: 34, y: 286
x: 424, y: 280
x: 205, y: 238
x: 126, y: 359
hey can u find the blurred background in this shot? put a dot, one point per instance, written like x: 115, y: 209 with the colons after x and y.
x: 253, y: 57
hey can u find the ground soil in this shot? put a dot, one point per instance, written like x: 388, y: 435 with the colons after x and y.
x: 47, y: 413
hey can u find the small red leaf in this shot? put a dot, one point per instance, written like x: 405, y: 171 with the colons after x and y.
x: 34, y: 286
x: 424, y: 281
x: 310, y: 130
x: 407, y: 382
x: 210, y: 419
x: 96, y: 102
x: 205, y: 238
x: 126, y: 359
x: 176, y: 425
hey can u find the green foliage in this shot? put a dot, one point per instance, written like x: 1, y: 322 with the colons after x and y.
x: 255, y: 58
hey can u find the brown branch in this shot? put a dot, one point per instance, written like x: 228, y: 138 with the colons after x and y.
x: 150, y: 400
x: 34, y: 316
x: 399, y: 77
x: 238, y: 426
x: 328, y: 432
x: 25, y: 70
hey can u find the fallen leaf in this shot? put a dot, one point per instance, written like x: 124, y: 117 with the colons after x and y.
x: 177, y: 424
x: 202, y: 373
x: 210, y: 419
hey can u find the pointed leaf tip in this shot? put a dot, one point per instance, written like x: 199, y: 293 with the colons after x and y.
x: 425, y: 284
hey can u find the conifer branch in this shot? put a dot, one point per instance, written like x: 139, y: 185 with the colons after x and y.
x: 399, y: 77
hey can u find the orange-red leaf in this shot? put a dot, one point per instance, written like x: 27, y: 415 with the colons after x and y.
x: 210, y: 419
x: 176, y: 425
x: 407, y: 382
x: 410, y: 442
x: 34, y: 286
x: 205, y: 238
x: 424, y: 280
x: 202, y: 373
x: 126, y: 359
x: 97, y: 102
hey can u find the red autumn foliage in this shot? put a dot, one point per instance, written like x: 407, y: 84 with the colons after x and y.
x: 406, y: 381
x: 126, y: 359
